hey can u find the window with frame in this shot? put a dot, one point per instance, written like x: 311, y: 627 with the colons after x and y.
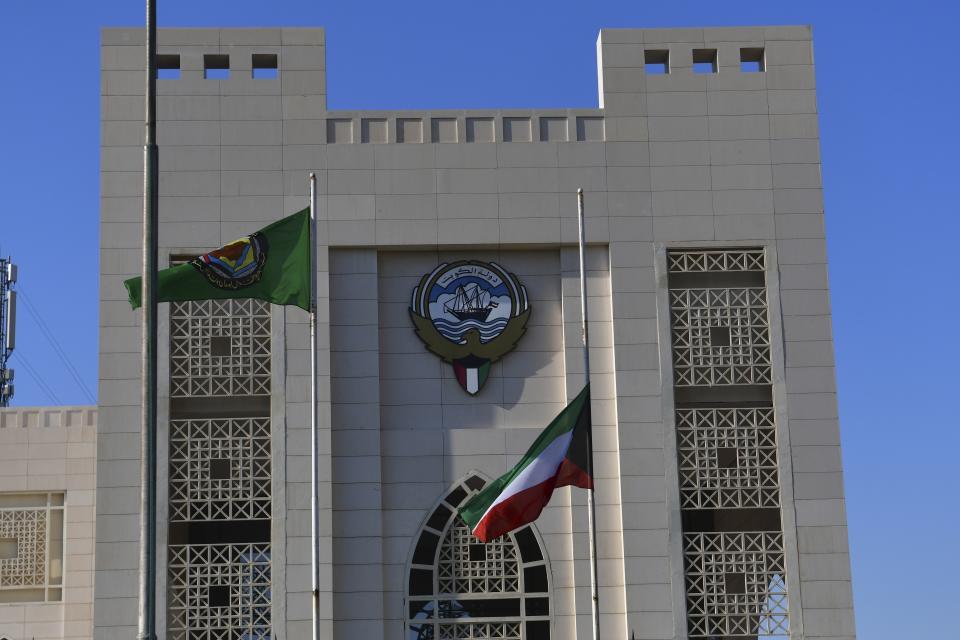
x: 461, y: 588
x: 31, y: 547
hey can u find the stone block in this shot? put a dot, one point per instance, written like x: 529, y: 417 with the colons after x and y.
x: 743, y: 127
x: 677, y: 103
x: 678, y: 128
x: 792, y: 101
x: 691, y: 152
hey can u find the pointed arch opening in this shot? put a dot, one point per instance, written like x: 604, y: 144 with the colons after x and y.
x: 460, y: 588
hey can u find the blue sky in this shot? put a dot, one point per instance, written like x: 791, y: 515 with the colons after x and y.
x: 888, y: 96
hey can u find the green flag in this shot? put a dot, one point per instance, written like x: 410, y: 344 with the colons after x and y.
x: 272, y: 264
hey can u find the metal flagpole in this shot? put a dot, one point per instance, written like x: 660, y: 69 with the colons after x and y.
x: 314, y: 437
x: 591, y: 505
x: 148, y: 426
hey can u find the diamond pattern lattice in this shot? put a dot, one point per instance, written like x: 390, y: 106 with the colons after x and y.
x: 219, y: 592
x: 720, y: 336
x: 28, y: 569
x: 735, y: 585
x: 715, y: 260
x: 220, y: 469
x: 219, y: 348
x: 728, y: 458
x: 498, y: 572
x: 480, y: 631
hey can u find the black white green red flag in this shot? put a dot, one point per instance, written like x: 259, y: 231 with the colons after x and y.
x: 560, y: 456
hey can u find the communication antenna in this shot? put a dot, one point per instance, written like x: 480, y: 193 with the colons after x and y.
x: 8, y: 327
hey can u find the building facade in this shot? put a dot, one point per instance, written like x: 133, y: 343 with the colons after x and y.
x: 442, y: 234
x: 47, y: 497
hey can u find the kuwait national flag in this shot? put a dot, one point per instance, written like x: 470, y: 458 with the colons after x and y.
x: 561, y: 456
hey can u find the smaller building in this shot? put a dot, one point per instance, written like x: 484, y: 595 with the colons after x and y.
x: 47, y: 515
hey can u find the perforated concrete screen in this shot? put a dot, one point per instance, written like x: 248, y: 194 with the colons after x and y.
x: 219, y: 480
x: 31, y: 547
x: 734, y: 554
x: 720, y: 509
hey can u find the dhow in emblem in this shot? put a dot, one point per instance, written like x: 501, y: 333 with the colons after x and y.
x: 470, y: 314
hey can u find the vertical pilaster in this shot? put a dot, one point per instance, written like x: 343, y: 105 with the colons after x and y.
x: 611, y: 566
x: 358, y: 575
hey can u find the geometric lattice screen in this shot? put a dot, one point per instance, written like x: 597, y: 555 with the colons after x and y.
x: 460, y: 571
x: 219, y: 348
x: 720, y: 336
x: 461, y: 588
x: 27, y: 530
x: 219, y: 592
x: 728, y: 458
x: 220, y: 471
x: 716, y: 261
x: 726, y: 445
x: 735, y: 585
x: 31, y: 547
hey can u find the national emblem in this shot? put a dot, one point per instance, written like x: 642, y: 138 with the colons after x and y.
x: 470, y: 314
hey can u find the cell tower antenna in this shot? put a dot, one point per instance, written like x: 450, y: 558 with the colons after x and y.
x: 8, y: 327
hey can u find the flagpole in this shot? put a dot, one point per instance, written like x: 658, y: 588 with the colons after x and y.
x: 148, y: 345
x: 314, y: 437
x: 591, y: 505
x: 148, y: 426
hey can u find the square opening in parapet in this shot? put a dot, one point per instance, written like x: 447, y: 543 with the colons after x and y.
x: 168, y: 66
x: 751, y: 60
x: 704, y: 60
x: 656, y: 61
x: 216, y: 66
x: 265, y: 66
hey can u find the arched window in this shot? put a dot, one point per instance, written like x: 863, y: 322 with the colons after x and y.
x: 462, y: 589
